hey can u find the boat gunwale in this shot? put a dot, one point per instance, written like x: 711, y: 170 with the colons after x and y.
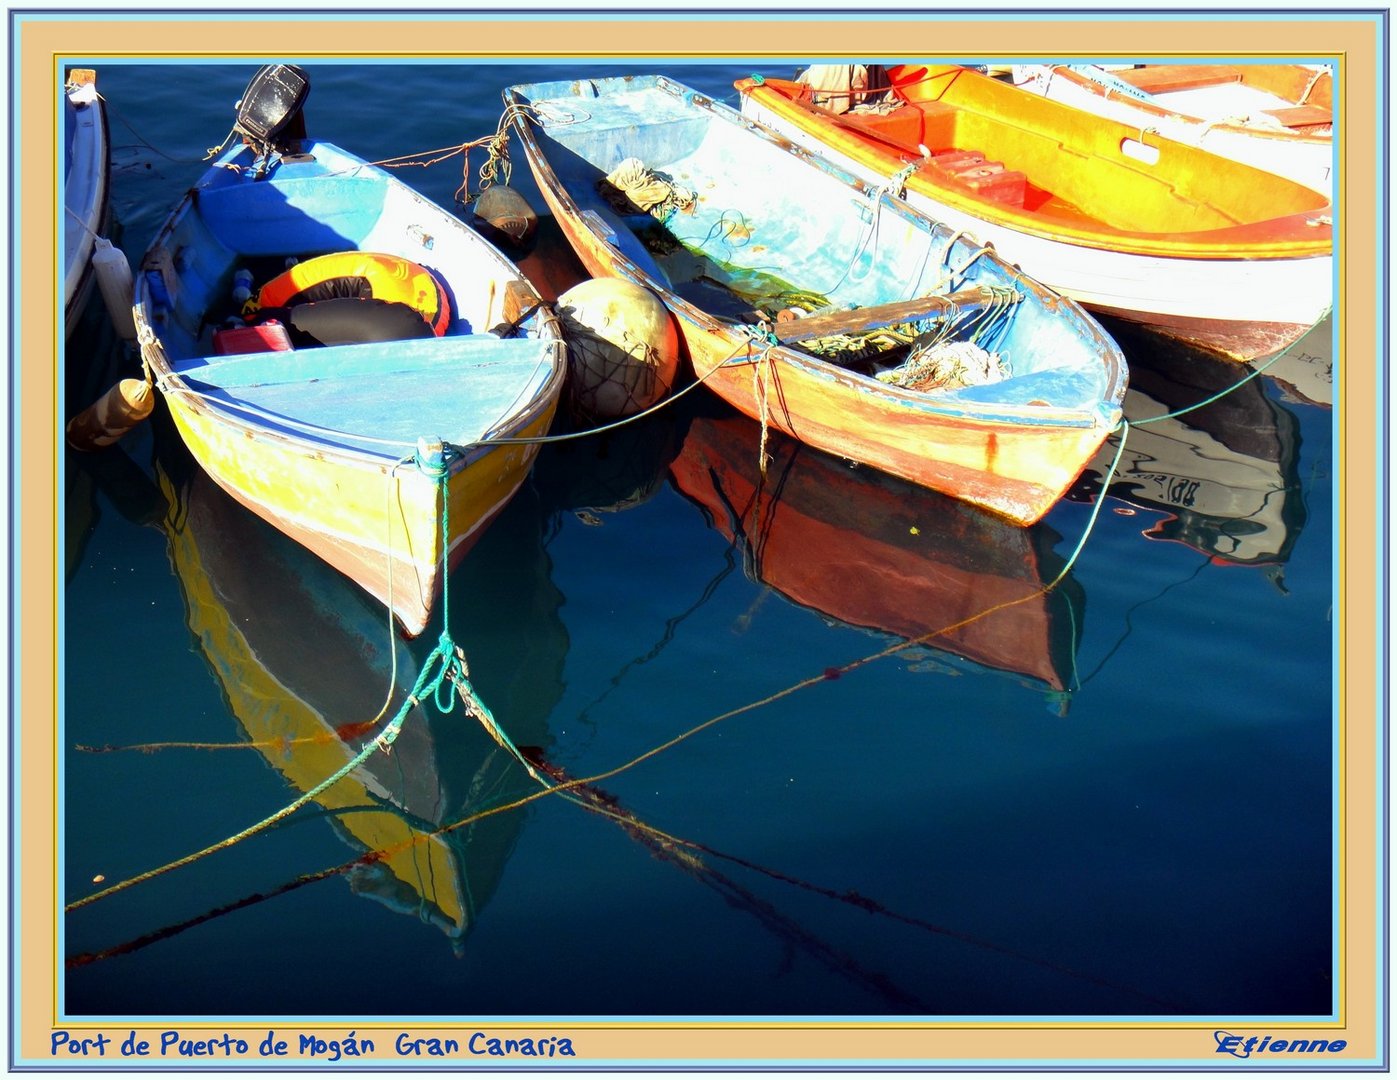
x: 238, y: 417
x: 95, y: 209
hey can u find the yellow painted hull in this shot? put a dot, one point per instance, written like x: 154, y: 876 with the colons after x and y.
x: 378, y: 524
x: 308, y: 735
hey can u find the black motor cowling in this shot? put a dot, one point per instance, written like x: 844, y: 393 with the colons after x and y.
x: 269, y: 114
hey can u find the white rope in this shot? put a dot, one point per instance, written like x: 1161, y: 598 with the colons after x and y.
x: 86, y: 228
x: 1314, y: 79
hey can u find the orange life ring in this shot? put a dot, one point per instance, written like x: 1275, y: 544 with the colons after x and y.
x: 362, y: 274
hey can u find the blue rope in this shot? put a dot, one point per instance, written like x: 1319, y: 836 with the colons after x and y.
x: 1124, y: 428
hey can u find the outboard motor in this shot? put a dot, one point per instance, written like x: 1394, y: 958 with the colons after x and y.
x: 270, y: 119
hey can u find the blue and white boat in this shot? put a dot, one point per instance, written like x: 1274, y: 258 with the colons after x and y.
x: 86, y: 184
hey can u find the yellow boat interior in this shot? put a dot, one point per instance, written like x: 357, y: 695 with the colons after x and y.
x: 991, y: 142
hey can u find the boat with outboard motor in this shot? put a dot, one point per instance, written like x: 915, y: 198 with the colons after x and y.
x: 378, y: 403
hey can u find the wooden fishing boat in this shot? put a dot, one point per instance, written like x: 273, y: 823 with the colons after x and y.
x: 86, y: 183
x: 808, y: 298
x: 432, y: 350
x: 876, y: 553
x: 1133, y: 225
x: 1278, y: 117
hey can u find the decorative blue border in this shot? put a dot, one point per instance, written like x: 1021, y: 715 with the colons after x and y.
x: 628, y: 14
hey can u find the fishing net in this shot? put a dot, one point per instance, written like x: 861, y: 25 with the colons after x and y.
x: 946, y: 365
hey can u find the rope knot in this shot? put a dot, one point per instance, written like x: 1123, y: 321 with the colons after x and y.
x: 762, y: 334
x: 896, y: 184
x: 431, y: 456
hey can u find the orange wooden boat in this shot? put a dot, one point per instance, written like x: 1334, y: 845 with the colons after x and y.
x: 1209, y: 251
x: 764, y: 302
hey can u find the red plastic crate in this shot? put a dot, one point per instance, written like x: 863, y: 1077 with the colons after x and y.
x: 957, y: 161
x: 993, y: 181
x: 269, y: 336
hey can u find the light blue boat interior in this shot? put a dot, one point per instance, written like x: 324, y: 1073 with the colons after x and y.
x: 770, y: 225
x: 380, y: 399
x: 377, y: 398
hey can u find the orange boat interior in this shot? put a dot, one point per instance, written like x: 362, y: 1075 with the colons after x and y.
x: 991, y: 141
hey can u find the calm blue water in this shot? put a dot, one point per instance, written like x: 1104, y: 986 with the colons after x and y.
x: 1117, y: 800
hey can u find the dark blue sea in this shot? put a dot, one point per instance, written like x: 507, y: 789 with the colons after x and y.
x: 854, y: 762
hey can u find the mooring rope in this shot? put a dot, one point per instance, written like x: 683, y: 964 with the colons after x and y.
x: 84, y: 225
x: 759, y: 394
x: 1124, y: 425
x: 896, y: 647
x: 453, y: 669
x: 384, y: 739
x: 566, y: 787
x: 339, y: 733
x: 542, y: 440
x: 679, y: 851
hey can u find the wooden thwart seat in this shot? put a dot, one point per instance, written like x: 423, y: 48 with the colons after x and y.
x: 988, y: 179
x: 877, y: 316
x: 902, y: 126
x: 1169, y: 78
x: 1302, y: 116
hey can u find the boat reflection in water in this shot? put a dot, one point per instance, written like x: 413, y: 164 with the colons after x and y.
x: 873, y: 552
x: 1305, y: 372
x: 611, y: 472
x: 311, y: 671
x: 1225, y: 475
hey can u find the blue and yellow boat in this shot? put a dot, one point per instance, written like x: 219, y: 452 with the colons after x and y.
x: 378, y: 401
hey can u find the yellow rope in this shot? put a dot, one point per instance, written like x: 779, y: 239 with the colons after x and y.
x: 562, y: 787
x: 341, y: 733
x: 759, y: 391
